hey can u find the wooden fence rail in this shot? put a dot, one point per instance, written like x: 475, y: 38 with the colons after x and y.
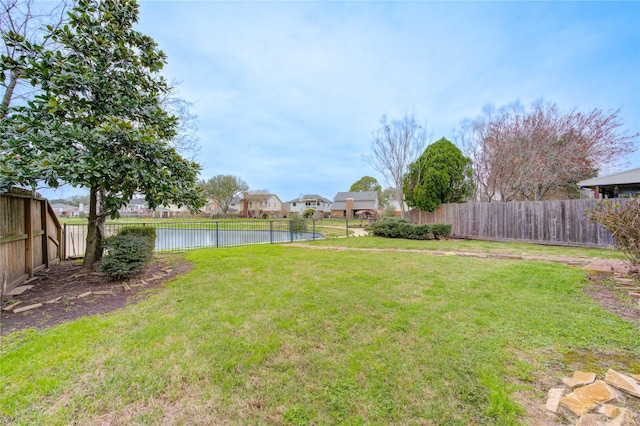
x: 563, y: 222
x: 30, y: 237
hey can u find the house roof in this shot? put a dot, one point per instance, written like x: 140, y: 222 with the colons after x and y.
x: 357, y: 196
x: 63, y: 207
x: 310, y: 197
x: 259, y: 197
x: 627, y: 177
x: 367, y: 200
x: 138, y: 201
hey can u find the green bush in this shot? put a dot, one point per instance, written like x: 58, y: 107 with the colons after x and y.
x: 395, y: 227
x: 389, y: 227
x: 441, y: 230
x: 148, y: 232
x: 420, y: 232
x: 125, y: 255
x: 297, y: 223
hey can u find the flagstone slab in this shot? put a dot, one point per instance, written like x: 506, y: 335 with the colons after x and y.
x: 580, y: 378
x: 553, y: 399
x: 585, y: 399
x: 625, y: 418
x: 609, y: 410
x: 589, y: 420
x: 623, y: 382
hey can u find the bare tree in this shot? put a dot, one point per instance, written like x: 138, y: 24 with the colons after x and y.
x: 186, y: 141
x: 521, y: 155
x: 395, y: 145
x: 26, y: 18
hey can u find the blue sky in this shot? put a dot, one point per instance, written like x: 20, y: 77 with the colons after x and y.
x: 288, y: 93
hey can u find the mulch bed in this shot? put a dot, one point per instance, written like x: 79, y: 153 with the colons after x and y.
x: 58, y: 288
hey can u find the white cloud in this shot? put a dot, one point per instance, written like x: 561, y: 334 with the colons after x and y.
x: 288, y: 93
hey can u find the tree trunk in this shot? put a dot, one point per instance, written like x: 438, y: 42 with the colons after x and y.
x: 14, y: 76
x: 95, y: 232
x: 101, y: 224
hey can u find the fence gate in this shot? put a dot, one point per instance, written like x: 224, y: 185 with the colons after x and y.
x: 30, y: 237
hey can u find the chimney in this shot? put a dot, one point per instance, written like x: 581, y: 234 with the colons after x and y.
x: 349, y: 208
x: 245, y: 205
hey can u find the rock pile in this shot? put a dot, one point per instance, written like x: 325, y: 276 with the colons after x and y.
x: 597, y: 402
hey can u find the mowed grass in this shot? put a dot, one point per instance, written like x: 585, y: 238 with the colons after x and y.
x: 288, y: 335
x: 476, y: 246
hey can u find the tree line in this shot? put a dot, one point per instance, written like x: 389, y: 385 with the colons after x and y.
x: 511, y: 153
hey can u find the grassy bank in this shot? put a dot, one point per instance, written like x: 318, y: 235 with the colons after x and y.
x: 287, y: 335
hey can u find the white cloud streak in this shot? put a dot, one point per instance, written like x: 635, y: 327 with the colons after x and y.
x: 288, y: 93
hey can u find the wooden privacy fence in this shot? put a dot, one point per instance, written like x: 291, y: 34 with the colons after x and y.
x: 30, y: 237
x: 562, y: 222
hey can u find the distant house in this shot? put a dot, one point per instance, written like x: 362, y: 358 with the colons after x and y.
x: 308, y: 202
x: 351, y: 205
x: 213, y: 208
x: 137, y: 204
x: 64, y: 210
x: 173, y: 211
x: 261, y: 205
x: 625, y: 183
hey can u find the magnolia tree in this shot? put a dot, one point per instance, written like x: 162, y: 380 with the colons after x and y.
x: 523, y: 155
x: 97, y: 120
x: 26, y: 18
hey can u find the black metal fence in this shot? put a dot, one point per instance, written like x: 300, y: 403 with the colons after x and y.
x: 172, y: 236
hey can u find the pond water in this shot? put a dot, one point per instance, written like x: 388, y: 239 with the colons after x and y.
x: 180, y: 238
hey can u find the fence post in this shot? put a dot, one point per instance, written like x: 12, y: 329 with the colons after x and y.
x: 63, y: 243
x: 271, y: 232
x: 291, y: 230
x: 346, y: 225
x: 217, y: 241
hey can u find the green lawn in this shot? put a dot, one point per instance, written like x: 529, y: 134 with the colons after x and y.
x: 288, y: 335
x: 477, y: 246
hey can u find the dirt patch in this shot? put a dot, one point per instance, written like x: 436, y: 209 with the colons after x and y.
x: 66, y: 295
x: 618, y: 303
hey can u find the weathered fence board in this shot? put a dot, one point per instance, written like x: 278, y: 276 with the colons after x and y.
x: 30, y: 237
x: 561, y: 222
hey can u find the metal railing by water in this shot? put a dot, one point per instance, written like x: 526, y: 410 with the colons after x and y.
x: 172, y: 236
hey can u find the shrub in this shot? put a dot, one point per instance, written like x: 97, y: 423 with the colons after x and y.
x: 297, y: 223
x: 441, y: 230
x: 126, y: 254
x: 148, y: 232
x: 624, y: 223
x: 396, y: 227
x: 415, y: 232
x: 390, y: 227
